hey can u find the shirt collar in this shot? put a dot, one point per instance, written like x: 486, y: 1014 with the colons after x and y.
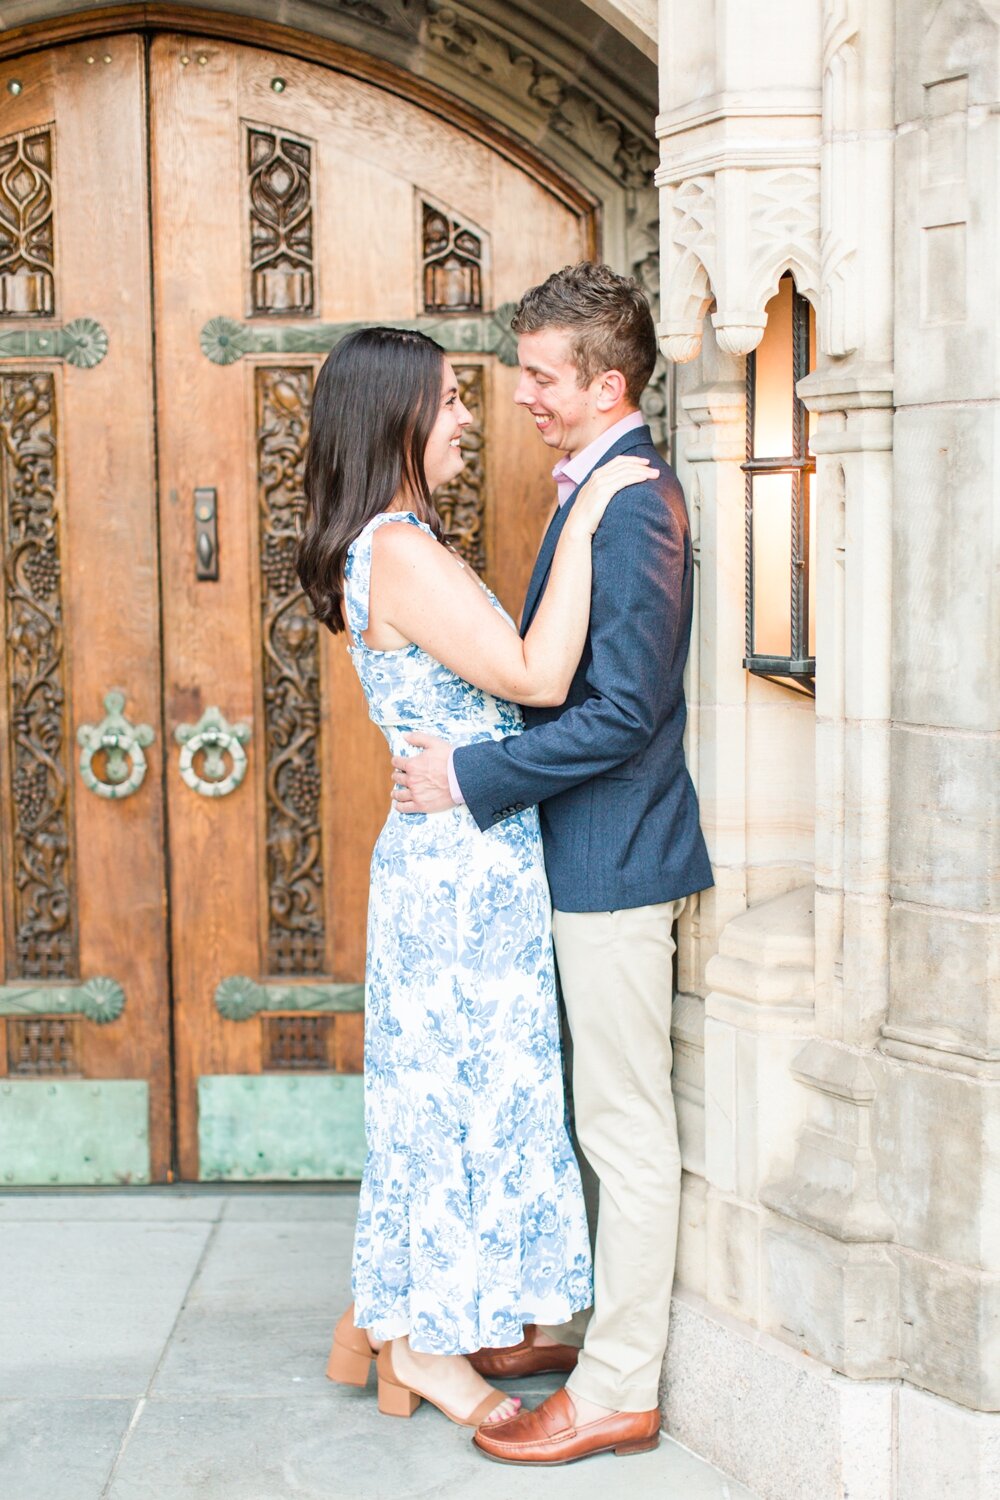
x: 569, y: 473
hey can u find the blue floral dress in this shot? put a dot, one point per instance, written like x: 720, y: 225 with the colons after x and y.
x: 471, y: 1220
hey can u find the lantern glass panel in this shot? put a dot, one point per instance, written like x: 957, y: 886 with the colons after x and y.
x: 780, y: 536
x: 772, y: 563
x: 812, y: 565
x: 773, y: 405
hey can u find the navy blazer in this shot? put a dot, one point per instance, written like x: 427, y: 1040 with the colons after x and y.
x: 618, y: 811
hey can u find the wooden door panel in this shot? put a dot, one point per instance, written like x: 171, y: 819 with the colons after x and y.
x: 102, y: 591
x: 205, y: 440
x: 269, y: 889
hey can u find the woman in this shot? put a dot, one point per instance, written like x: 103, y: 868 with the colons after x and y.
x: 471, y: 1221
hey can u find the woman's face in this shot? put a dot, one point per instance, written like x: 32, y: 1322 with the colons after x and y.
x: 443, y: 457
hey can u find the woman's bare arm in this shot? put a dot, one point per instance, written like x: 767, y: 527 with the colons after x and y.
x: 420, y: 593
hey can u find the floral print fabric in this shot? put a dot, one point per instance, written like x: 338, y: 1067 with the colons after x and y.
x: 471, y: 1220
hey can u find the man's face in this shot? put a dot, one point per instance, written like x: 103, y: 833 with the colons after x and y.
x: 566, y: 414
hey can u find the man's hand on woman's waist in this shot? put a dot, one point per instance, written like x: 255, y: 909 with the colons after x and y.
x: 425, y: 783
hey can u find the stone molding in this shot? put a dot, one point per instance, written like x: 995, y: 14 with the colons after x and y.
x: 839, y: 333
x: 932, y: 1051
x: 478, y: 42
x: 718, y: 415
x: 740, y: 205
x: 635, y: 19
x: 832, y: 1187
x: 753, y: 187
x: 732, y: 234
x: 852, y: 387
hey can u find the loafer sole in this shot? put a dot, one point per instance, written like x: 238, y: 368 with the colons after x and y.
x: 621, y: 1450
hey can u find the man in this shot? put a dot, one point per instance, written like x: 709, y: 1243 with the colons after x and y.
x: 623, y: 848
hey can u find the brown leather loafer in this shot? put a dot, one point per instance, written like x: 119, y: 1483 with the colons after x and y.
x: 525, y: 1358
x: 549, y: 1435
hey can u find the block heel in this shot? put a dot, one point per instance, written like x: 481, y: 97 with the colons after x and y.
x: 394, y: 1400
x: 347, y: 1367
x: 351, y: 1355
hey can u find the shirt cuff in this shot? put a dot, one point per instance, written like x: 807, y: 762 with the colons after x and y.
x: 453, y: 786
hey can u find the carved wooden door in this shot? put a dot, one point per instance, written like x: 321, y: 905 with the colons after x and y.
x: 84, y: 1036
x: 290, y: 200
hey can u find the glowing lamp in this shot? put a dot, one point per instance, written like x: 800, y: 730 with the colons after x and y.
x: 780, y: 628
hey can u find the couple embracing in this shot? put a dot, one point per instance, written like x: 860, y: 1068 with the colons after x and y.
x: 572, y: 824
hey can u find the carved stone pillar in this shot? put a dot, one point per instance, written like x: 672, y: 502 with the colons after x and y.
x: 937, y: 1118
x: 839, y: 1253
x: 832, y: 1189
x: 758, y: 1012
x: 710, y: 446
x: 710, y: 450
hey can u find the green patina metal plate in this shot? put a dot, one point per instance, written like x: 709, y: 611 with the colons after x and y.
x: 267, y: 1127
x: 74, y: 1131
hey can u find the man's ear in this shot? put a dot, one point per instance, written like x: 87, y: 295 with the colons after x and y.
x: 611, y: 390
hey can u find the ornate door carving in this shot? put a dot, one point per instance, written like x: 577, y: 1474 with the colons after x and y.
x: 312, y: 202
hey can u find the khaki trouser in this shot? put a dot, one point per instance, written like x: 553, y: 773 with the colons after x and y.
x: 616, y: 971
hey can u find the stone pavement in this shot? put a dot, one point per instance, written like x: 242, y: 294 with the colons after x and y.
x: 169, y: 1344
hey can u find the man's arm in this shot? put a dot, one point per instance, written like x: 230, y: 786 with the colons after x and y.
x: 635, y: 613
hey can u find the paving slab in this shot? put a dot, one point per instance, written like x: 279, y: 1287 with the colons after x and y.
x: 59, y: 1450
x: 335, y: 1204
x: 340, y: 1448
x: 86, y: 1308
x: 98, y: 1205
x: 259, y: 1317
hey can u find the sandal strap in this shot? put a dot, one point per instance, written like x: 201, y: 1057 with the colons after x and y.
x: 488, y: 1404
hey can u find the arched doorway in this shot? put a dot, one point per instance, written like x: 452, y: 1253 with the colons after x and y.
x: 195, y: 221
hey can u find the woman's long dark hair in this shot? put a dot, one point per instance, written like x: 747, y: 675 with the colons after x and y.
x: 375, y: 401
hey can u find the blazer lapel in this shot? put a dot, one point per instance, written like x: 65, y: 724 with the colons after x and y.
x: 543, y: 562
x: 638, y: 437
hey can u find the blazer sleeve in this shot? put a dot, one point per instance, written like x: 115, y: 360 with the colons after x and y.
x: 636, y: 603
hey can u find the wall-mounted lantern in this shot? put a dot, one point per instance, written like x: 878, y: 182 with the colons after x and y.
x: 780, y: 623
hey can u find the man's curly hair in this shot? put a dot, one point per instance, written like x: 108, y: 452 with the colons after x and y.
x: 606, y: 315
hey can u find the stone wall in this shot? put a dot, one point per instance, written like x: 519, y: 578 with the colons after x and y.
x: 838, y: 1067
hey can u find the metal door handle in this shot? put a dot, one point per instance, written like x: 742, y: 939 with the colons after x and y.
x: 122, y: 742
x: 216, y: 737
x: 206, y: 535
